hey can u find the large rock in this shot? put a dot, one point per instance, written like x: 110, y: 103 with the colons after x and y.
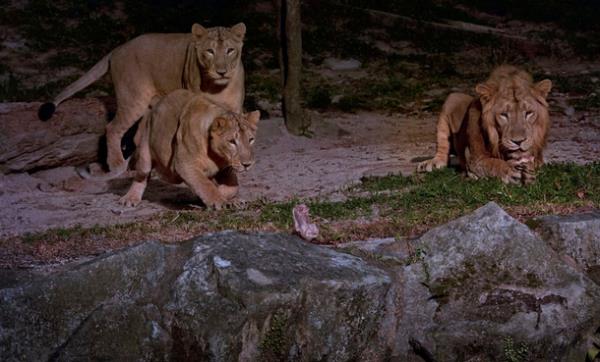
x: 484, y: 287
x: 70, y: 137
x: 575, y: 236
x: 481, y: 288
x: 224, y: 297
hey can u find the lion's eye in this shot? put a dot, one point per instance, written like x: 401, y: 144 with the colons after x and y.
x: 251, y: 140
x: 504, y: 115
x: 210, y: 52
x: 528, y: 114
x: 233, y: 142
x: 230, y: 51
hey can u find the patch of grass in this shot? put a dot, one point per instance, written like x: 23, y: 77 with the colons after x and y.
x: 580, y: 84
x: 264, y: 86
x: 335, y: 30
x: 274, y: 344
x: 382, y: 183
x: 318, y: 97
x: 391, y: 92
x: 513, y: 352
x: 350, y: 103
x: 378, y: 207
x: 567, y: 14
x: 11, y: 89
x: 62, y: 235
x: 591, y: 101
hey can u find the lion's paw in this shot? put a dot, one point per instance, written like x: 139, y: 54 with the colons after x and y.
x: 432, y: 164
x: 130, y: 200
x: 510, y: 175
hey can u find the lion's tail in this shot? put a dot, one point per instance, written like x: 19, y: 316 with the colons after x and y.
x: 47, y: 109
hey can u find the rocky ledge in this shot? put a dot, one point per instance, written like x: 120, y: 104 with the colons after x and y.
x: 481, y: 288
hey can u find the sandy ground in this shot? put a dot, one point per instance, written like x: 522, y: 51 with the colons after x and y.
x: 345, y: 148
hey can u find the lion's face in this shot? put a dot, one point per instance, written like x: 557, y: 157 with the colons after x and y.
x: 232, y: 139
x: 515, y: 115
x: 219, y: 51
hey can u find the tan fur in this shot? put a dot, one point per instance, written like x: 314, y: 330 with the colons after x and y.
x: 188, y: 138
x: 500, y: 134
x: 207, y: 60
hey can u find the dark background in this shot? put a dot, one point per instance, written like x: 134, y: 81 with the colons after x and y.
x: 402, y: 55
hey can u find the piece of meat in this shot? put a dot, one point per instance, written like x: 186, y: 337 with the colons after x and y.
x: 307, y: 230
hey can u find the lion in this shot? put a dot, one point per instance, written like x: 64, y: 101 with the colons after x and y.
x: 188, y: 138
x: 502, y: 133
x: 206, y: 61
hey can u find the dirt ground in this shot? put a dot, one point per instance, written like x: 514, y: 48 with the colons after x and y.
x: 345, y: 148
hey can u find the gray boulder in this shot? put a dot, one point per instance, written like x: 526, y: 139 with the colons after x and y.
x: 485, y: 287
x: 223, y: 297
x: 481, y: 288
x: 576, y: 237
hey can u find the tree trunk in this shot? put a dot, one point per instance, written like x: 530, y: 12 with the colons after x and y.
x: 290, y: 60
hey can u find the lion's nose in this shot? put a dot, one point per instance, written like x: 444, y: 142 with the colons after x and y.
x: 247, y: 165
x: 221, y: 72
x: 518, y: 141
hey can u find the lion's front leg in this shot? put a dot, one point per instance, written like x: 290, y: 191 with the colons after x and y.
x: 526, y: 164
x: 440, y: 160
x: 202, y: 186
x: 227, y: 182
x: 494, y: 167
x: 528, y: 172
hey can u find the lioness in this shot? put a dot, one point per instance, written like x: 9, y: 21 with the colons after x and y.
x: 502, y: 133
x: 205, y: 61
x: 188, y: 138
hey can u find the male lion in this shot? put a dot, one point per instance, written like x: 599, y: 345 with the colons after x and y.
x: 190, y: 139
x: 206, y: 61
x: 500, y: 134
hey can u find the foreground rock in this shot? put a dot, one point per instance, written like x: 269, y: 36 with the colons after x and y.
x: 576, y: 237
x: 70, y: 137
x: 483, y: 286
x: 224, y: 297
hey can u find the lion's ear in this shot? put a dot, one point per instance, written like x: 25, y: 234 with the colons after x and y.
x: 219, y: 125
x: 544, y: 87
x: 198, y: 30
x: 239, y: 30
x: 253, y: 118
x: 486, y: 91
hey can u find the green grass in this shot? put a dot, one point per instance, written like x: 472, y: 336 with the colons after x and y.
x: 405, y: 206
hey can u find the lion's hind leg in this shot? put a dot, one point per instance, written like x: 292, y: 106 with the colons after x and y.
x: 132, y: 104
x: 143, y: 167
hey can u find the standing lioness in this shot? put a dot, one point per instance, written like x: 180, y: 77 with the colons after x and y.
x: 188, y: 138
x: 205, y: 61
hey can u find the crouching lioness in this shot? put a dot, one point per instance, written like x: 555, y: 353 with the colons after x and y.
x: 188, y: 138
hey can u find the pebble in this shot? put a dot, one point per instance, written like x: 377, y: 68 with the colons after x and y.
x: 342, y: 64
x: 569, y: 111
